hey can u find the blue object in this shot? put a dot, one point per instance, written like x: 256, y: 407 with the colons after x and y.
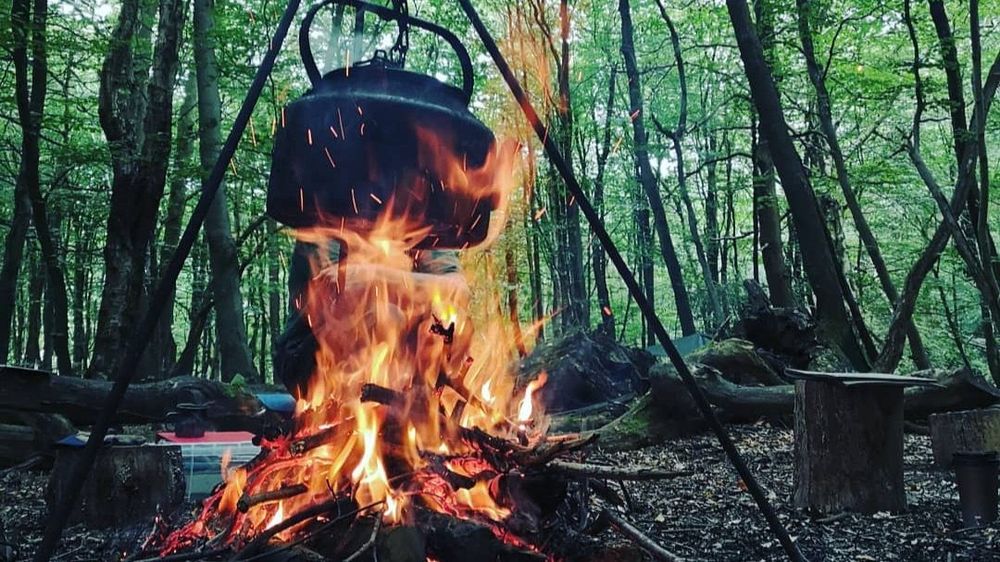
x: 280, y: 402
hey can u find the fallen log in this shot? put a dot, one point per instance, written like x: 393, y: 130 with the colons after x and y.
x: 80, y: 400
x: 667, y: 411
x: 959, y: 390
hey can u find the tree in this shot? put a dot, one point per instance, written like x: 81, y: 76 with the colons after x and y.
x: 825, y: 111
x: 136, y: 119
x: 644, y: 174
x: 231, y: 335
x: 820, y: 264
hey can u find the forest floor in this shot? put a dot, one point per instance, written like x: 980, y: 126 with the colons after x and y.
x: 711, y: 516
x: 708, y: 516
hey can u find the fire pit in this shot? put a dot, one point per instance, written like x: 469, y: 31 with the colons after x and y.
x: 411, y: 418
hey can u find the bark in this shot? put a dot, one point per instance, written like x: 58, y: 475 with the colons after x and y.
x: 848, y: 448
x: 36, y: 290
x: 13, y: 255
x: 677, y: 137
x: 137, y: 126
x: 231, y: 334
x: 825, y: 111
x: 819, y: 264
x: 765, y: 198
x: 645, y: 174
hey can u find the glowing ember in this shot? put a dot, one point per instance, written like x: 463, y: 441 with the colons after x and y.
x: 411, y: 392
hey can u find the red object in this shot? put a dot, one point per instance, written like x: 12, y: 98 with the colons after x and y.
x: 209, y: 437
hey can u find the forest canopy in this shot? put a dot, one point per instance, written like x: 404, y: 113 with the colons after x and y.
x: 838, y: 152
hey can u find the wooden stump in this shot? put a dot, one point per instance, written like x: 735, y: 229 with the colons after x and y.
x: 127, y: 484
x: 848, y: 447
x: 975, y: 431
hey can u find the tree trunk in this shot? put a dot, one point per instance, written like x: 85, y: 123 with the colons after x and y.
x: 892, y: 349
x: 677, y: 137
x: 230, y: 327
x: 819, y: 263
x: 765, y: 198
x: 12, y: 256
x: 138, y: 127
x: 126, y: 484
x: 645, y: 174
x: 825, y: 111
x: 848, y: 447
x: 599, y: 261
x: 29, y: 29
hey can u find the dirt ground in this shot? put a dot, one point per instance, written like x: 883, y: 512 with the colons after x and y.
x: 707, y: 516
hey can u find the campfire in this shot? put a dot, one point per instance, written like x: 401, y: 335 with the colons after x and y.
x: 412, y: 413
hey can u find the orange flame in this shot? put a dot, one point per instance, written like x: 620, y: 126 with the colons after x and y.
x: 444, y: 365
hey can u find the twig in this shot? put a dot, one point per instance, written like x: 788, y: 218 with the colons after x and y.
x: 247, y: 501
x: 614, y: 472
x: 299, y: 517
x: 369, y: 543
x: 647, y: 544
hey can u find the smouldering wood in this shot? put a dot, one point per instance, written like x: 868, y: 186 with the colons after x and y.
x: 249, y: 500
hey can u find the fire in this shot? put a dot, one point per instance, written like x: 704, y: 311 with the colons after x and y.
x: 409, y: 374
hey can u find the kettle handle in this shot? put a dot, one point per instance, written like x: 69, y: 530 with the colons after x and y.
x: 305, y: 49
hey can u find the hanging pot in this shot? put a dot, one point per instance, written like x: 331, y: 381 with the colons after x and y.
x: 370, y: 142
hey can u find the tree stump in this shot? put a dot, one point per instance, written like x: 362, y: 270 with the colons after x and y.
x: 126, y: 484
x: 974, y: 431
x: 848, y: 447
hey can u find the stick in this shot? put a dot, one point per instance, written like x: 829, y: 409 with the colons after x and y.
x: 300, y: 516
x: 637, y: 293
x: 637, y: 536
x: 369, y: 543
x: 382, y: 395
x: 614, y: 472
x: 249, y: 500
x: 186, y: 556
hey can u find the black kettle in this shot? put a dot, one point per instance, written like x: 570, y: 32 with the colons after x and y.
x: 370, y: 141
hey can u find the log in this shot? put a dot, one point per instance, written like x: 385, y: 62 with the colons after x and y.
x: 973, y: 431
x: 585, y: 369
x: 127, y: 484
x: 80, y: 400
x: 25, y: 435
x: 960, y: 390
x: 848, y: 447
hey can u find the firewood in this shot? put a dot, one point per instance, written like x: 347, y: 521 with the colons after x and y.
x: 250, y: 500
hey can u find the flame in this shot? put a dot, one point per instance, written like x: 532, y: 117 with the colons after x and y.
x: 439, y: 359
x: 524, y: 411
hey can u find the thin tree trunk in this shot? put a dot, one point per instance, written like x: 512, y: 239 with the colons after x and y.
x: 891, y: 352
x: 231, y: 335
x: 599, y: 261
x: 645, y: 174
x: 36, y: 290
x: 138, y: 127
x: 677, y: 136
x: 825, y: 112
x: 29, y: 31
x: 820, y: 266
x: 769, y: 243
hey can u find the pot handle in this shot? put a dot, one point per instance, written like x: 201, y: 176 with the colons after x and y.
x: 305, y: 49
